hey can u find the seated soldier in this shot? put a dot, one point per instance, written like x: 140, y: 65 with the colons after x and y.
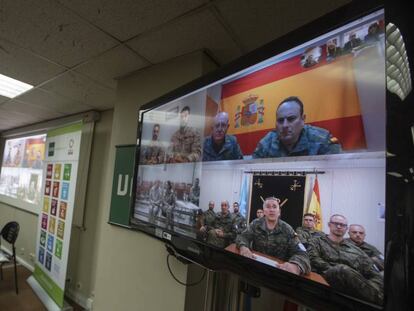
x: 357, y: 237
x: 272, y: 236
x: 345, y: 267
x: 222, y: 233
x: 307, y: 231
x: 239, y: 222
x: 207, y: 221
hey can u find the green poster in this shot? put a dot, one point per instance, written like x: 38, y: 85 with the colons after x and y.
x: 122, y: 185
x: 66, y: 171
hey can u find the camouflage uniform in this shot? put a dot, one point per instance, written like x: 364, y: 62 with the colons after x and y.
x: 154, y: 153
x: 168, y: 207
x: 372, y: 252
x: 225, y: 223
x: 346, y: 268
x: 239, y: 222
x: 230, y: 150
x: 209, y: 218
x: 186, y: 143
x: 279, y: 242
x: 155, y: 198
x: 312, y: 141
x: 305, y: 234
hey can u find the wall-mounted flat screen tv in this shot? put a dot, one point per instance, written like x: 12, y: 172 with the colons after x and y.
x: 280, y: 162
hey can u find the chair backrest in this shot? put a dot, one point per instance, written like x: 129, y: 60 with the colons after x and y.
x: 10, y: 231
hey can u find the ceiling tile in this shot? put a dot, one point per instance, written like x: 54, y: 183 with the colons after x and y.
x: 257, y: 22
x: 3, y: 99
x: 10, y: 119
x: 81, y: 89
x: 22, y: 65
x: 116, y: 62
x: 51, y: 101
x: 47, y: 28
x: 127, y: 18
x: 30, y: 110
x: 194, y: 32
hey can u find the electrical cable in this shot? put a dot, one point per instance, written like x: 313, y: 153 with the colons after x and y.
x: 180, y: 282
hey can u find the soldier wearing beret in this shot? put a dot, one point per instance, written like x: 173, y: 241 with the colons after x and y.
x: 345, y: 267
x: 292, y: 137
x: 272, y: 236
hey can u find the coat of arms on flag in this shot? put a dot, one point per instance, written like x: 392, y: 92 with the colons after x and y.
x: 250, y: 113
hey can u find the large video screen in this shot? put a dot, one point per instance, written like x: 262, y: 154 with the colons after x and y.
x: 282, y: 162
x: 21, y: 171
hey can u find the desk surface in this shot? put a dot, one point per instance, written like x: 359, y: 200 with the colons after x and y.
x: 311, y: 276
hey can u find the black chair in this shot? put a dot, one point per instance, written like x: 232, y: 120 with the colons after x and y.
x: 9, y: 232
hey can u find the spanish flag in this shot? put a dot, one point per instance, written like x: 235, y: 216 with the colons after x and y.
x: 328, y: 90
x: 315, y: 205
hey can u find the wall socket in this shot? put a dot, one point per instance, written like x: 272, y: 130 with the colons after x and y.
x: 78, y: 285
x: 32, y: 257
x: 22, y: 251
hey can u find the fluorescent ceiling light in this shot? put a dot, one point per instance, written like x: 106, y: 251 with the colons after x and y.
x: 11, y: 88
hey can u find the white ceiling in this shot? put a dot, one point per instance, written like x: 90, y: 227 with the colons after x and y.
x: 72, y: 50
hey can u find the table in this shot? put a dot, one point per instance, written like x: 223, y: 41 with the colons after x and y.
x: 311, y: 276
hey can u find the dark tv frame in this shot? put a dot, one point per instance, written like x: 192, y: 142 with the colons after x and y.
x: 396, y: 287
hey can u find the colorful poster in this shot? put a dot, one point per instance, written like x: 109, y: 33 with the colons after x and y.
x: 60, y: 173
x: 55, y: 192
x: 43, y: 238
x: 41, y: 256
x: 44, y: 221
x: 54, y: 207
x: 52, y: 225
x: 65, y: 191
x: 61, y: 229
x: 49, y: 171
x: 58, y: 168
x: 58, y: 249
x: 46, y: 203
x: 66, y: 171
x: 48, y: 186
x: 62, y: 210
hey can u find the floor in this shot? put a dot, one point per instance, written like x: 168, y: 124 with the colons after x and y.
x: 26, y: 300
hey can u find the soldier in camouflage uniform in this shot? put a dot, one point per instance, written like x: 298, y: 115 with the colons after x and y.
x: 239, y: 222
x: 308, y: 231
x: 272, y: 236
x: 220, y: 146
x: 357, y: 237
x: 154, y: 153
x: 223, y: 232
x: 185, y: 145
x: 207, y: 222
x: 168, y: 207
x: 345, y: 267
x: 155, y: 198
x: 292, y: 137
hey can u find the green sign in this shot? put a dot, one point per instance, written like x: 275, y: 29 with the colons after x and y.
x: 122, y: 185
